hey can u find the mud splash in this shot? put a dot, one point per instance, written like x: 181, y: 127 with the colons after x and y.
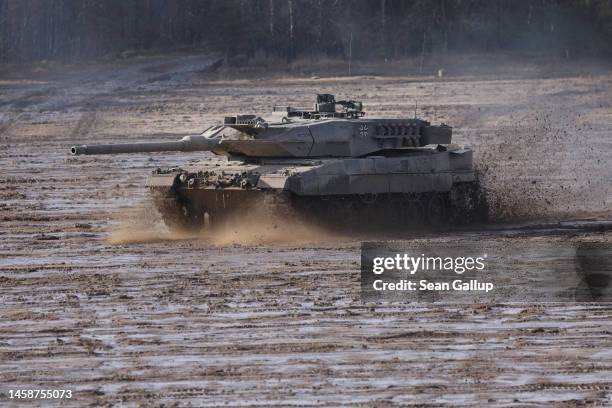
x: 144, y: 234
x: 285, y: 232
x: 526, y: 175
x: 141, y: 227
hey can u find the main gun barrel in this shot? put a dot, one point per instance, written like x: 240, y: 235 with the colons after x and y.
x: 186, y: 144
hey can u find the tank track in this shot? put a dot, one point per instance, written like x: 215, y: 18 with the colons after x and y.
x: 463, y: 205
x: 178, y: 213
x: 193, y: 209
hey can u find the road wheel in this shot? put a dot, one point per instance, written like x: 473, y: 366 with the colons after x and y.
x: 437, y: 210
x: 468, y: 203
x: 415, y: 213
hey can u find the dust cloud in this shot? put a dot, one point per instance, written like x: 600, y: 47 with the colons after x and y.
x: 139, y: 226
x: 145, y: 234
x: 279, y: 232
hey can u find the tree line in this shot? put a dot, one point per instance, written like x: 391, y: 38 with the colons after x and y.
x: 71, y: 30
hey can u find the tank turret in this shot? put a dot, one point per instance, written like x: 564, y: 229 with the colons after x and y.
x: 325, y: 131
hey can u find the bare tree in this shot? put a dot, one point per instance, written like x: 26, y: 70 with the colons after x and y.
x: 271, y: 8
x: 33, y: 30
x: 291, y: 50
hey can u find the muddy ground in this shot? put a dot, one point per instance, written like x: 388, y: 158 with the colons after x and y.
x: 97, y: 297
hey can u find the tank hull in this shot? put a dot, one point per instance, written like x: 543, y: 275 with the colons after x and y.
x: 424, y: 187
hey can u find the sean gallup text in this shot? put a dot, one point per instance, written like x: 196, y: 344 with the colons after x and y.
x: 425, y: 285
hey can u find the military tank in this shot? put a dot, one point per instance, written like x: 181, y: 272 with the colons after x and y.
x: 328, y: 164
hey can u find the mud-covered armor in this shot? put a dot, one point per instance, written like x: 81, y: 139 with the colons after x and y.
x: 330, y: 164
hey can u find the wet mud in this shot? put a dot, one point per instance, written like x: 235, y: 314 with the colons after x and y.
x: 97, y: 296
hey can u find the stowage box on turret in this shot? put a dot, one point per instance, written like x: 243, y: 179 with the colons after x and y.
x: 329, y: 164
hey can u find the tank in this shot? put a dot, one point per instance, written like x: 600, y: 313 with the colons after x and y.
x: 329, y: 164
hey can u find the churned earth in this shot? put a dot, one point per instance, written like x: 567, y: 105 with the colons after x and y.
x: 98, y: 297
